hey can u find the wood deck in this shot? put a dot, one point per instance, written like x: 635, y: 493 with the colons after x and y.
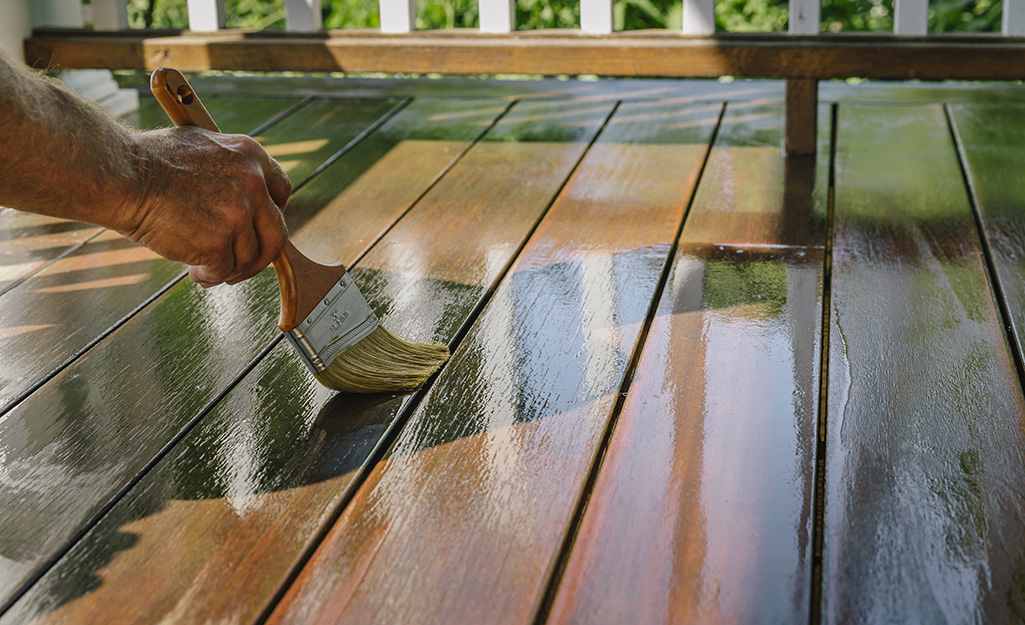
x: 692, y: 380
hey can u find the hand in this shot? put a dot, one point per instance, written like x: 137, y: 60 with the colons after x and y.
x: 210, y: 200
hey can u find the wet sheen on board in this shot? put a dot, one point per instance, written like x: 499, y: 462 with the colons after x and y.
x: 711, y: 457
x: 463, y: 520
x: 926, y: 451
x: 78, y: 439
x: 109, y: 276
x: 250, y: 487
x: 990, y: 138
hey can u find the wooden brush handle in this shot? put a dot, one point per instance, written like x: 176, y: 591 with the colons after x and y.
x: 184, y: 107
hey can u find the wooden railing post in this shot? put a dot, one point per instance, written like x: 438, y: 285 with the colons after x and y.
x: 801, y: 116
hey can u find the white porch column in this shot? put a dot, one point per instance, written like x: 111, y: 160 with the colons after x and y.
x: 96, y: 84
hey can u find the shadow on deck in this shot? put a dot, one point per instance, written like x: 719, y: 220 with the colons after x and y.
x: 692, y: 380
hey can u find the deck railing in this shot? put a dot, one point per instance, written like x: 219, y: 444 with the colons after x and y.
x: 802, y: 56
x: 499, y: 16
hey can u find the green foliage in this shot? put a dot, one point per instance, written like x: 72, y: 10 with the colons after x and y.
x: 746, y: 16
x: 843, y: 15
x: 351, y: 14
x: 730, y: 15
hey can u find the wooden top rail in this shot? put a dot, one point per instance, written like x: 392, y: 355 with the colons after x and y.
x: 555, y: 52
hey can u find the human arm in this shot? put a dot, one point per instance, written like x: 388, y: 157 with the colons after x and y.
x: 209, y: 200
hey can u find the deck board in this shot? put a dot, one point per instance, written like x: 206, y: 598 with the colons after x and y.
x: 464, y: 518
x: 73, y: 443
x: 513, y: 489
x: 992, y: 143
x: 925, y: 462
x: 305, y: 442
x: 712, y: 456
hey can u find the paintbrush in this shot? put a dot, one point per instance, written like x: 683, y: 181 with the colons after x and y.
x: 323, y: 314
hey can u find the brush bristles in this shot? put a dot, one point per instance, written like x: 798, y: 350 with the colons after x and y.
x: 383, y: 362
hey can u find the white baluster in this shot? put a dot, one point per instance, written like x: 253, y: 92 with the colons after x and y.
x: 110, y: 14
x: 698, y: 17
x: 56, y: 13
x: 596, y: 16
x: 911, y: 17
x: 497, y: 16
x: 398, y: 16
x: 302, y: 15
x: 1013, y: 18
x: 15, y: 27
x: 805, y: 17
x: 207, y: 15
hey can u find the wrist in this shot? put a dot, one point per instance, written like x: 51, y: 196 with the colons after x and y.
x: 134, y: 188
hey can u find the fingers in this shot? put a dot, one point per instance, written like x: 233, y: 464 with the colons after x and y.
x: 269, y: 237
x: 278, y: 185
x: 214, y: 202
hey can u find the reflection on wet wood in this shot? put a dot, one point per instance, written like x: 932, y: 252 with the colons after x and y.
x: 710, y: 463
x: 992, y: 141
x: 29, y: 242
x: 463, y: 520
x: 54, y: 301
x: 76, y: 441
x: 414, y: 148
x: 302, y: 141
x: 924, y: 519
x: 232, y: 507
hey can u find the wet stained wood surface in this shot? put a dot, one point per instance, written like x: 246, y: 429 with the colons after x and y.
x: 712, y: 455
x: 493, y: 460
x: 692, y: 380
x: 159, y: 369
x: 924, y: 461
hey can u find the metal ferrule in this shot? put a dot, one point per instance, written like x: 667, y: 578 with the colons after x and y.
x: 302, y: 345
x: 342, y: 319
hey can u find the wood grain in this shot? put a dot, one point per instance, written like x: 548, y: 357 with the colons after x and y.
x: 800, y: 135
x: 219, y: 522
x: 29, y: 242
x: 463, y: 519
x: 925, y: 450
x: 73, y: 443
x: 701, y: 511
x: 632, y: 53
x: 991, y: 140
